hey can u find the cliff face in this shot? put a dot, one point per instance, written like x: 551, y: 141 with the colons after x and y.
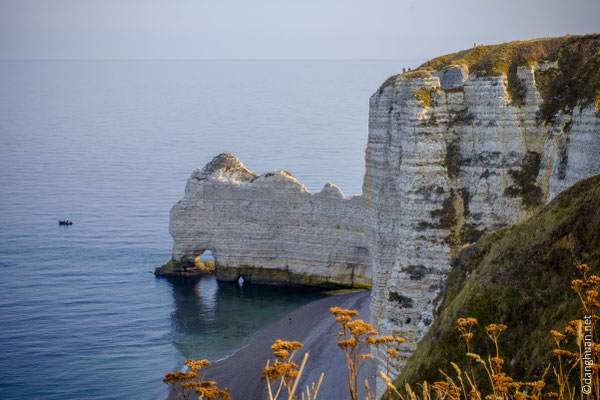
x: 269, y: 229
x: 454, y: 153
x: 519, y: 276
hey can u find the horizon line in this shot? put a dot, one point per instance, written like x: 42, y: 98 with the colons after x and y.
x: 212, y: 59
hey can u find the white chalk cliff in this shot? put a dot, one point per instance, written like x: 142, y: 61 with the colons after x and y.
x: 269, y: 228
x: 449, y: 157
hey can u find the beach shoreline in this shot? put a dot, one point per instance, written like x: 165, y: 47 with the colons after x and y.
x: 313, y: 326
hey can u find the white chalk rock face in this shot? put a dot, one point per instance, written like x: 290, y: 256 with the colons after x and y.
x: 269, y: 228
x: 449, y: 157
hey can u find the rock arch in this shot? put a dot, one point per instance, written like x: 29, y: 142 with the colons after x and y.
x: 270, y: 229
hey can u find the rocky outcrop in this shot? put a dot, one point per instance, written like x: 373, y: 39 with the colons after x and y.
x: 269, y: 228
x: 186, y: 268
x: 451, y: 156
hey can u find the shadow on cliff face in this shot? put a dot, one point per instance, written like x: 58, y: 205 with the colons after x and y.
x: 212, y: 319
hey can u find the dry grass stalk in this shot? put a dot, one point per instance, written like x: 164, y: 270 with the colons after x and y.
x: 286, y: 371
x: 185, y: 384
x: 354, y: 338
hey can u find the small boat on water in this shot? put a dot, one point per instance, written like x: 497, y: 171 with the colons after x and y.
x: 65, y: 222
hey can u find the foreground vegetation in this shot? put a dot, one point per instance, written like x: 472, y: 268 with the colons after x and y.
x: 573, y: 375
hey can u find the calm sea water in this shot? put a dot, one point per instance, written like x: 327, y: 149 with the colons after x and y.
x: 109, y: 145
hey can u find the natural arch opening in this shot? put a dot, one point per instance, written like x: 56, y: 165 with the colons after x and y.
x: 206, y: 255
x: 205, y: 261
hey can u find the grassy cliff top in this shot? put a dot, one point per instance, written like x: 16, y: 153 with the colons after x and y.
x: 577, y: 78
x: 518, y: 276
x: 497, y: 59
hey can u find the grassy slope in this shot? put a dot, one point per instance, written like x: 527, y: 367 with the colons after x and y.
x: 518, y: 276
x: 577, y: 78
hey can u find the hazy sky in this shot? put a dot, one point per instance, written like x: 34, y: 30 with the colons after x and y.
x: 278, y: 28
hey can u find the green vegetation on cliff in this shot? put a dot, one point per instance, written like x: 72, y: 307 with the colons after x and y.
x: 520, y: 277
x: 285, y: 277
x: 423, y: 96
x: 576, y: 78
x: 525, y: 181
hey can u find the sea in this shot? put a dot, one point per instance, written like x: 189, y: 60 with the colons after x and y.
x: 109, y: 144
